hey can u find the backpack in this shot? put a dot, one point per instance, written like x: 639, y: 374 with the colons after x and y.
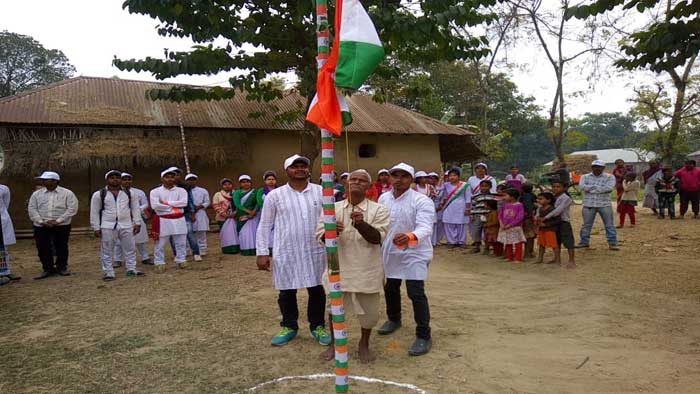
x: 103, y: 194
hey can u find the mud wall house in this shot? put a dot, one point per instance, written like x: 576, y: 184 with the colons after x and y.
x: 83, y: 126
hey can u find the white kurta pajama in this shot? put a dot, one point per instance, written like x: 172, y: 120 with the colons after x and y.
x: 163, y: 202
x: 8, y: 230
x: 141, y: 238
x: 298, y: 261
x: 200, y: 226
x: 116, y: 221
x: 413, y: 213
x: 453, y: 217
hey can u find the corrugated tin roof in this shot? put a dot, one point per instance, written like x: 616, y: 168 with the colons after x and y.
x: 629, y: 155
x: 117, y: 102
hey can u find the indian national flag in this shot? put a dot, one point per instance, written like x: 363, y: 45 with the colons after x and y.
x: 356, y: 53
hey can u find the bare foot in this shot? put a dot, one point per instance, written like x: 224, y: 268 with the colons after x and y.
x: 571, y: 266
x: 328, y: 354
x: 553, y: 262
x: 366, y: 356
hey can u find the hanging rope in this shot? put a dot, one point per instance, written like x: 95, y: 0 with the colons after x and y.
x: 182, y: 137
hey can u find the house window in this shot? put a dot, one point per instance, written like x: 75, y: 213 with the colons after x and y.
x: 367, y: 150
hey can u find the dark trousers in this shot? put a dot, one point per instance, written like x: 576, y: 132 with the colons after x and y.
x: 416, y: 292
x: 667, y: 201
x: 690, y: 197
x: 50, y: 241
x: 316, y: 308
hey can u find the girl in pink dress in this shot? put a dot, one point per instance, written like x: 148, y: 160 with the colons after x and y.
x: 510, y: 234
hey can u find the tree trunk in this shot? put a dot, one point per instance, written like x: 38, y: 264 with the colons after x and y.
x: 560, y: 140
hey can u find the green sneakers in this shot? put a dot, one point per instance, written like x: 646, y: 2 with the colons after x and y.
x: 322, y: 336
x: 284, y: 336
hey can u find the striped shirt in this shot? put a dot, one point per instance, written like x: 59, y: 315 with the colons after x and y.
x: 299, y: 261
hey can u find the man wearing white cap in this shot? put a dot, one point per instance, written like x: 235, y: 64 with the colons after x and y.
x: 7, y: 237
x: 383, y: 183
x: 597, y: 187
x: 191, y: 241
x: 299, y: 260
x: 407, y: 252
x: 114, y: 214
x: 200, y: 225
x: 51, y: 210
x: 169, y: 202
x: 141, y: 238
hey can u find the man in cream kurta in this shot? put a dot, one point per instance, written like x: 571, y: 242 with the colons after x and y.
x: 169, y: 202
x: 362, y: 225
x: 407, y: 251
x: 200, y: 226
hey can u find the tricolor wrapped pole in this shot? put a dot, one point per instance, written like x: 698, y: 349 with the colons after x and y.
x: 356, y: 53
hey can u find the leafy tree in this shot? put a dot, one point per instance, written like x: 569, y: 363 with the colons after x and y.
x: 606, y: 130
x: 668, y: 45
x: 26, y: 64
x: 282, y: 32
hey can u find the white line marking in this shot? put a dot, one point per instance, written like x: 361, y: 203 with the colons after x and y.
x: 328, y: 375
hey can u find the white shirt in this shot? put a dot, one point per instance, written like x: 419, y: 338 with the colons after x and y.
x: 118, y: 212
x: 200, y: 196
x: 299, y: 261
x: 413, y: 213
x: 176, y: 197
x: 59, y: 205
x: 140, y: 196
x: 8, y: 230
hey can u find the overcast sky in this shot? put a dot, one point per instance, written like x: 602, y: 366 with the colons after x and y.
x: 92, y: 32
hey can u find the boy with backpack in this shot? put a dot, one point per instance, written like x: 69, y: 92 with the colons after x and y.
x: 114, y: 216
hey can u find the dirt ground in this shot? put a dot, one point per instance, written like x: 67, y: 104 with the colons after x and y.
x: 623, y: 322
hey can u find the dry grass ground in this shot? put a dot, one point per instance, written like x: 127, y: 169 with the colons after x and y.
x: 498, y: 328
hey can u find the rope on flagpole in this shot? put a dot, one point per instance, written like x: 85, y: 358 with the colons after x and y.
x: 182, y: 137
x: 327, y: 180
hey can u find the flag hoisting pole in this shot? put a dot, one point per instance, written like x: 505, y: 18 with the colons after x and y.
x: 327, y: 171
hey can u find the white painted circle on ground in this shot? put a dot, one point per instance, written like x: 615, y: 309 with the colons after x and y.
x: 329, y: 376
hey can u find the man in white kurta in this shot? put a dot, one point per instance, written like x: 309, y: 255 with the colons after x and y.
x: 141, y: 238
x: 407, y: 252
x: 115, y: 215
x: 299, y: 260
x: 200, y: 225
x: 7, y: 236
x: 169, y: 202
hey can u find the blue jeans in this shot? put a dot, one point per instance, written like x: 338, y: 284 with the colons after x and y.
x: 191, y: 239
x: 606, y: 213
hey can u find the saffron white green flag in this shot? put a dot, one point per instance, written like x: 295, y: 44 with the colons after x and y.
x: 360, y: 49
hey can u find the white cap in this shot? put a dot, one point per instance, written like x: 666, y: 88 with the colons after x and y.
x: 112, y: 172
x: 403, y: 167
x: 244, y: 178
x: 363, y: 171
x: 291, y: 159
x: 345, y: 174
x: 383, y: 171
x: 126, y: 175
x: 171, y: 170
x: 49, y: 175
x: 598, y: 163
x: 190, y: 176
x: 420, y: 174
x: 482, y: 164
x: 434, y: 174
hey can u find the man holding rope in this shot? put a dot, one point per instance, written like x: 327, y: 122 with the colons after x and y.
x: 407, y: 254
x: 362, y: 225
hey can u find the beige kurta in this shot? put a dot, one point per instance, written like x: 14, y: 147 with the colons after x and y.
x: 361, y: 268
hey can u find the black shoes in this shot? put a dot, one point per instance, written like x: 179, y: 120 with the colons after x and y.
x: 116, y: 264
x: 388, y: 327
x: 44, y: 275
x: 420, y: 347
x: 64, y: 272
x: 147, y: 262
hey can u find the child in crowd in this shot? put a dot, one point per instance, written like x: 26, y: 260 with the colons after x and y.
x: 528, y: 200
x: 510, y: 233
x: 479, y: 213
x: 491, y: 229
x: 565, y: 233
x: 500, y: 195
x: 547, y: 231
x: 515, y: 179
x: 630, y: 194
x: 666, y: 188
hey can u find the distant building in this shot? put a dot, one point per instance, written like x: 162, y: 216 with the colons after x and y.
x: 694, y: 156
x: 637, y: 158
x: 83, y: 126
